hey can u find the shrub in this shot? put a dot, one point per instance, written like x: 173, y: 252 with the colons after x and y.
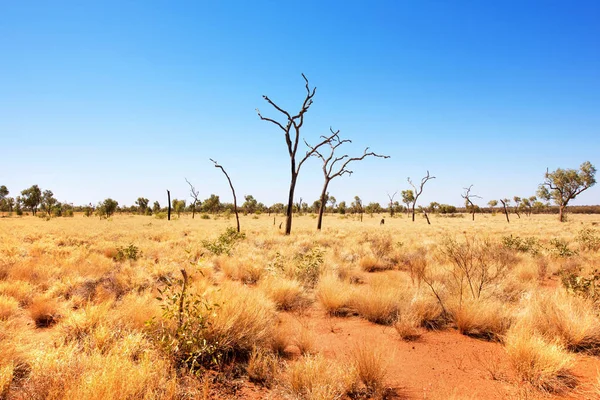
x: 224, y: 243
x: 527, y: 245
x: 560, y: 248
x: 543, y: 364
x: 287, y: 294
x: 315, y: 378
x: 204, y: 216
x: 371, y: 369
x: 131, y: 252
x: 588, y: 287
x: 160, y: 215
x: 308, y: 266
x: 334, y: 295
x: 588, y: 239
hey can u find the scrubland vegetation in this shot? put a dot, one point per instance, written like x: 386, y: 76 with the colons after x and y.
x: 137, y: 307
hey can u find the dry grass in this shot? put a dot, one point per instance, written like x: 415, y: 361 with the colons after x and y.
x: 569, y: 320
x: 315, y: 378
x: 370, y: 368
x: 543, y: 364
x: 61, y: 275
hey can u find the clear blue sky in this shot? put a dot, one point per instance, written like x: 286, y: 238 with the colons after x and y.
x: 124, y: 99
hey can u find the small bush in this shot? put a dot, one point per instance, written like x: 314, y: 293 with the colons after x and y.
x: 543, y: 364
x: 308, y: 266
x: 160, y: 215
x: 131, y: 252
x: 224, y: 243
x: 560, y: 248
x: 588, y: 239
x: 204, y: 216
x: 529, y: 245
x: 315, y: 378
x: 371, y: 369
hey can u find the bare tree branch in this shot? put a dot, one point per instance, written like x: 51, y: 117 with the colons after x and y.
x: 235, y: 210
x: 418, y: 191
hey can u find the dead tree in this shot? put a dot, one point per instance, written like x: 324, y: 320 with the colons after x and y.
x: 505, y: 204
x: 468, y: 203
x: 194, y: 196
x: 335, y: 166
x: 392, y: 203
x: 169, y: 205
x: 291, y: 129
x: 417, y: 192
x: 235, y: 210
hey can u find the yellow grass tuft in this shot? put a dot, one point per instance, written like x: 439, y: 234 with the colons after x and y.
x: 315, y: 378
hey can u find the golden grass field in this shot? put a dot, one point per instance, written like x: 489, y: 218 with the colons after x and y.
x: 359, y: 310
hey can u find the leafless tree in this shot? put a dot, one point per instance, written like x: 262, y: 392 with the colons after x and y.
x: 417, y: 192
x: 505, y: 205
x: 194, y: 196
x: 468, y: 202
x: 235, y: 210
x: 291, y: 129
x: 169, y: 205
x: 335, y: 166
x: 392, y: 202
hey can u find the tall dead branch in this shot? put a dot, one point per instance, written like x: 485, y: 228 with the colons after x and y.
x: 291, y: 129
x: 468, y: 203
x: 335, y: 166
x: 235, y: 210
x: 194, y: 196
x: 392, y: 202
x: 417, y: 192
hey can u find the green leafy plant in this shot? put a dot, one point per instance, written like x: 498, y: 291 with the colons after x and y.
x: 560, y: 248
x: 525, y: 245
x: 131, y: 252
x: 581, y: 285
x: 588, y: 239
x: 224, y: 243
x: 182, y: 330
x: 308, y: 266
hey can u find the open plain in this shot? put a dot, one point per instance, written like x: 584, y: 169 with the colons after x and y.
x: 98, y: 308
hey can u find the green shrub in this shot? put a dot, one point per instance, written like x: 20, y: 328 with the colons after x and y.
x: 160, y: 215
x: 131, y: 252
x: 582, y: 286
x: 525, y: 245
x: 588, y: 239
x: 308, y: 267
x: 183, y: 329
x: 224, y: 243
x: 560, y: 248
x: 204, y: 216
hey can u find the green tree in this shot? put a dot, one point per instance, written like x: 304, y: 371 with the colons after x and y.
x: 3, y: 199
x: 250, y: 204
x: 156, y: 207
x: 212, y: 204
x: 563, y: 185
x: 48, y: 202
x: 31, y: 198
x: 341, y: 208
x: 107, y: 207
x: 142, y: 204
x: 407, y: 198
x: 178, y: 206
x: 373, y: 208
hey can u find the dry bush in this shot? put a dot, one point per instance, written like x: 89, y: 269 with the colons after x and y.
x: 380, y: 305
x: 425, y: 309
x: 245, y: 271
x: 243, y: 319
x: 334, y: 295
x: 262, y: 367
x: 570, y: 320
x: 66, y: 372
x: 415, y: 263
x: 481, y: 318
x: 305, y: 340
x: 316, y: 378
x: 371, y: 368
x: 543, y: 364
x: 19, y: 290
x: 281, y: 337
x: 287, y: 294
x: 8, y: 307
x: 408, y: 327
x: 44, y: 311
x: 369, y: 263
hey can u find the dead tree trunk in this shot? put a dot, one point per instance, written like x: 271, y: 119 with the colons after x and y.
x: 418, y: 191
x: 291, y: 128
x: 505, y: 210
x: 426, y: 217
x: 322, y: 207
x: 235, y: 209
x: 561, y: 210
x: 169, y: 206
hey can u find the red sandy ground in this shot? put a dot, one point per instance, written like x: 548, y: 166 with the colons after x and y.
x: 440, y: 365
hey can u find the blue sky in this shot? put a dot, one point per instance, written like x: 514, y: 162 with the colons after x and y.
x: 126, y: 99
